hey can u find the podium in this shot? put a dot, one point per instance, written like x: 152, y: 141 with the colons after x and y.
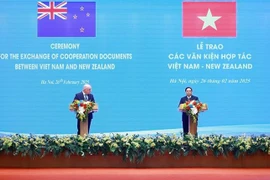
x: 193, y: 125
x: 83, y: 124
x: 84, y: 127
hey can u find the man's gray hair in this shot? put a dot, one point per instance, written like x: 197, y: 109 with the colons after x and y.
x: 87, y: 86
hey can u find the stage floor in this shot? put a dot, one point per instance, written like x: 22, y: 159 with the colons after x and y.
x: 134, y: 174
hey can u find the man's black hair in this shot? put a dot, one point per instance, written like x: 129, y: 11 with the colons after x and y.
x: 188, y: 88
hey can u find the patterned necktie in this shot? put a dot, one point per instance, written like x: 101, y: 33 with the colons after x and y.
x: 85, y: 97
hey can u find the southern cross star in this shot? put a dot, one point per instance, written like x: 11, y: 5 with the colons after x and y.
x: 81, y: 29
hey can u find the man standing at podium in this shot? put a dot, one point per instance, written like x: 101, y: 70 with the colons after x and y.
x: 85, y: 95
x: 188, y: 97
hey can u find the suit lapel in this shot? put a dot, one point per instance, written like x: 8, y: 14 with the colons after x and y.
x: 82, y: 97
x: 191, y: 98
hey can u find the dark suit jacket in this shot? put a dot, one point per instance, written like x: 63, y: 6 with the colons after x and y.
x: 79, y: 96
x: 183, y: 100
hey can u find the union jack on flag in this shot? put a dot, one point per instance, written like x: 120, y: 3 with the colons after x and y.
x: 52, y: 10
x: 66, y: 19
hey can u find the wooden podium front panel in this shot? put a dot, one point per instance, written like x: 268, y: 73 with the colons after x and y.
x: 84, y: 127
x: 192, y: 126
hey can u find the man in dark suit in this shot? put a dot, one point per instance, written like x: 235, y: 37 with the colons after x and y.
x: 86, y: 96
x: 188, y: 97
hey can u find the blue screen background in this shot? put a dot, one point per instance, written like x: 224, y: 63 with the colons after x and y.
x: 137, y: 95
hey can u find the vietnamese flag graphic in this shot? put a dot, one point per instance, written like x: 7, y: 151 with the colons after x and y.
x: 209, y: 19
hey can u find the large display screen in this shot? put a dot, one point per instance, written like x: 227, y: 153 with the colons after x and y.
x: 138, y: 56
